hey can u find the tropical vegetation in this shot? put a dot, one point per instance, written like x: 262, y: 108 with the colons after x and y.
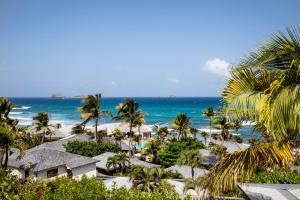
x: 130, y: 112
x: 91, y: 111
x: 91, y: 148
x: 264, y: 88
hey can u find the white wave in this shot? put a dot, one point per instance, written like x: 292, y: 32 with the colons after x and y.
x: 16, y: 113
x: 22, y: 108
x: 248, y: 123
x: 22, y: 118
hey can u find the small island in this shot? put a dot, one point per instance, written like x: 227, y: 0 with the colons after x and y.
x: 57, y: 96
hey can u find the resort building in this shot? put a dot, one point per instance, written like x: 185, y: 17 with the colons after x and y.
x: 43, y: 163
x: 186, y: 172
x: 254, y: 191
x: 145, y: 130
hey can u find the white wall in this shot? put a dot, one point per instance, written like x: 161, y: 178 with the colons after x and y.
x: 88, y: 170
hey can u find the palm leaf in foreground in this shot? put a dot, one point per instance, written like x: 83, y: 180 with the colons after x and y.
x: 241, y: 165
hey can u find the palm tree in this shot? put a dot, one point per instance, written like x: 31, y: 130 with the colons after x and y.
x: 192, y: 158
x: 6, y: 141
x: 223, y: 124
x: 204, y: 134
x: 181, y: 124
x: 131, y: 113
x: 78, y: 129
x: 236, y: 124
x: 120, y: 161
x: 194, y: 132
x: 117, y: 135
x: 265, y: 88
x: 153, y: 148
x: 147, y: 179
x: 91, y: 111
x: 41, y: 124
x: 162, y: 133
x: 209, y: 113
x: 138, y: 123
x: 5, y: 107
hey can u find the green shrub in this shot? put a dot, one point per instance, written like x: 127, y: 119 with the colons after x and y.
x: 8, y: 186
x: 91, y: 148
x: 169, y: 154
x: 281, y: 177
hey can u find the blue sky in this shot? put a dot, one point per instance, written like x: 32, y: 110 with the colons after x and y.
x: 131, y: 48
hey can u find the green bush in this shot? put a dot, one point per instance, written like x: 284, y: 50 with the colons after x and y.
x: 281, y: 177
x: 91, y: 148
x: 169, y: 154
x: 8, y: 189
x: 89, y: 189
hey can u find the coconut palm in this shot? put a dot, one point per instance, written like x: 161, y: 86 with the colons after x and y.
x: 236, y: 124
x: 130, y: 112
x: 162, y: 133
x: 138, y: 123
x: 204, y: 134
x: 120, y: 161
x: 5, y: 107
x: 223, y: 124
x: 192, y: 158
x: 265, y: 89
x: 146, y: 178
x: 42, y: 125
x: 78, y: 129
x: 91, y: 111
x: 153, y: 148
x: 194, y: 132
x: 6, y: 141
x: 209, y: 113
x: 181, y: 124
x: 117, y: 135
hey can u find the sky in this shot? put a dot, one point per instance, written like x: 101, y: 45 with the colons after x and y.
x: 126, y: 48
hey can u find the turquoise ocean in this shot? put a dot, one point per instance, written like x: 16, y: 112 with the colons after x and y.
x: 159, y: 110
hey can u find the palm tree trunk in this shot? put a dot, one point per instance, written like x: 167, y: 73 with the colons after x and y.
x: 1, y: 159
x: 130, y: 138
x: 6, y: 157
x: 193, y: 172
x: 96, y: 129
x: 43, y: 137
x: 209, y: 126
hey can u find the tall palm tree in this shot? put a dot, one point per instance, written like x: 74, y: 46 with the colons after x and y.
x: 209, y: 113
x: 181, y: 124
x: 42, y: 124
x: 130, y: 112
x: 91, y: 111
x: 265, y: 88
x: 138, y: 123
x: 204, y: 134
x: 194, y: 132
x: 192, y: 158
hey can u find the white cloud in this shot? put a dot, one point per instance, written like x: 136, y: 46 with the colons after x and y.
x: 217, y: 66
x: 113, y: 83
x: 173, y: 80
